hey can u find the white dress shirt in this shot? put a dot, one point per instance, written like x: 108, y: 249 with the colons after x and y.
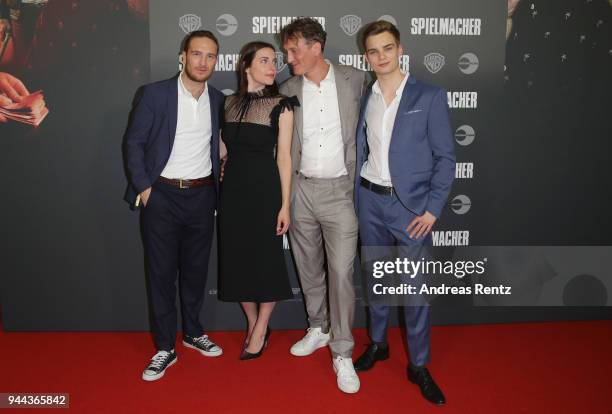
x: 190, y: 156
x: 322, y: 145
x: 380, y: 119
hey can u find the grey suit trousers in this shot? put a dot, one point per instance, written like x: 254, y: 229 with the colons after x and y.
x: 324, y: 224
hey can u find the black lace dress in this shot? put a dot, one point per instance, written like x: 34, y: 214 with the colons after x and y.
x: 251, y: 257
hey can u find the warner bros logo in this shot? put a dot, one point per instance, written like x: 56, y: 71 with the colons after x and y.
x: 190, y: 22
x: 434, y: 62
x: 280, y: 62
x: 350, y: 24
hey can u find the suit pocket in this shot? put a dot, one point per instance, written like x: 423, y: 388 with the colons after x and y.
x: 413, y: 112
x: 421, y: 173
x: 421, y: 179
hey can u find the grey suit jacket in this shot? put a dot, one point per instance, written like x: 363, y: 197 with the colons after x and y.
x: 350, y: 84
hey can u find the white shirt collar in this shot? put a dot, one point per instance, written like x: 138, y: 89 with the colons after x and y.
x: 328, y: 78
x: 398, y: 91
x: 183, y: 90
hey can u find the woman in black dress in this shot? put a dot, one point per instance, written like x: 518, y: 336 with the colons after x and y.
x: 254, y: 200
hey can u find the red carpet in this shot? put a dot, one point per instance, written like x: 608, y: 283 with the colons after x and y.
x: 513, y: 368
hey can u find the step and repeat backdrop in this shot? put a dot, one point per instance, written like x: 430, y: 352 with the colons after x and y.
x: 526, y: 81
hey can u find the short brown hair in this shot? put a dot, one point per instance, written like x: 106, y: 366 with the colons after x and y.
x: 198, y: 33
x: 378, y: 27
x: 306, y: 27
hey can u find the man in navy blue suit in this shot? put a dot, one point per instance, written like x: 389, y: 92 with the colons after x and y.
x: 405, y: 168
x: 172, y: 154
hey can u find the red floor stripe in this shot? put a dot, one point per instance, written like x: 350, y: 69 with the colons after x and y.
x: 510, y: 368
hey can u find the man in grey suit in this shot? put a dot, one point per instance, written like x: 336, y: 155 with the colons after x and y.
x: 323, y: 222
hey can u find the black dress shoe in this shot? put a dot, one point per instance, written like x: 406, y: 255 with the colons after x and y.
x: 375, y: 352
x: 430, y: 390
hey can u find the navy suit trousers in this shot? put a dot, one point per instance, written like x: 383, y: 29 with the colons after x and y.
x: 382, y: 222
x: 177, y: 225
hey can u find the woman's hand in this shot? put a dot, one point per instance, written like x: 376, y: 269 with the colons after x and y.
x: 223, y: 156
x: 282, y: 223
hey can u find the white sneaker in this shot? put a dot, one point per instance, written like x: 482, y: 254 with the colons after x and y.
x: 313, y: 340
x: 347, y: 378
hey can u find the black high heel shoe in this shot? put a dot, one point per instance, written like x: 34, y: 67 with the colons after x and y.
x: 245, y: 343
x: 247, y: 355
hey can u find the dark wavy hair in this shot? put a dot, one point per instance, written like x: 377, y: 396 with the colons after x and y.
x: 307, y: 27
x: 247, y: 54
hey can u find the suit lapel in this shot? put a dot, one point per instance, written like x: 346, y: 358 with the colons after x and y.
x: 364, y: 104
x: 298, y: 111
x: 342, y: 91
x: 172, y: 109
x: 214, y: 110
x: 407, y: 101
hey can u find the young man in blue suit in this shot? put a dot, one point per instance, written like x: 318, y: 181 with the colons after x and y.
x: 405, y: 168
x: 172, y: 157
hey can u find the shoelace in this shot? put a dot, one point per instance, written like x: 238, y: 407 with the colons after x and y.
x: 311, y: 334
x: 159, y: 359
x: 204, y: 341
x: 426, y: 380
x: 343, y: 369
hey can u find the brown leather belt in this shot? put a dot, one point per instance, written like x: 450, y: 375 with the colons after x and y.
x: 195, y: 182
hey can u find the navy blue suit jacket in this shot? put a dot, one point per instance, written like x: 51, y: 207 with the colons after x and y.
x: 421, y: 152
x: 151, y: 129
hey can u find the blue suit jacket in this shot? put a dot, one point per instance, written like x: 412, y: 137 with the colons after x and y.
x: 421, y: 153
x: 151, y: 129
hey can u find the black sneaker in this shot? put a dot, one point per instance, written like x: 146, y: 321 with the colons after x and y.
x: 157, y: 366
x: 203, y: 344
